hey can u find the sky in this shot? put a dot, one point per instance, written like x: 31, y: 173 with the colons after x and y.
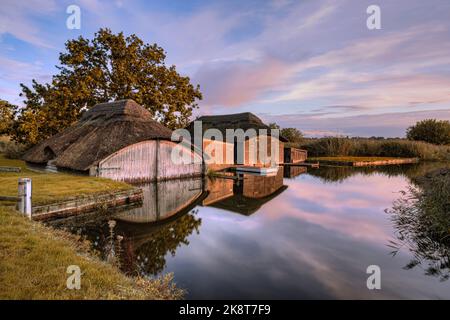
x: 309, y: 64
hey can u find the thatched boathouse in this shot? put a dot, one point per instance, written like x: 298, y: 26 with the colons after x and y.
x: 245, y: 121
x: 117, y: 140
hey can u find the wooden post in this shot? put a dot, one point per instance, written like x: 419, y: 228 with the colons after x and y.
x: 24, y: 203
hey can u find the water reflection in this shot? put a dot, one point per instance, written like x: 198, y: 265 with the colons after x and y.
x: 145, y: 247
x: 138, y: 249
x: 294, y: 171
x: 340, y: 174
x: 244, y: 194
x: 308, y: 236
x: 164, y: 199
x: 138, y: 240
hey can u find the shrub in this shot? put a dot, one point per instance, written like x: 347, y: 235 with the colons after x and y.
x: 331, y: 146
x: 398, y: 149
x: 7, y: 112
x: 11, y: 150
x: 292, y: 134
x: 430, y: 130
x: 421, y: 219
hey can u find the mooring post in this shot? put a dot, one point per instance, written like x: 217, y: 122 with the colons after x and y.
x: 24, y: 203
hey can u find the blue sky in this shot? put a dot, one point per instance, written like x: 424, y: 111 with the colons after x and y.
x: 310, y: 64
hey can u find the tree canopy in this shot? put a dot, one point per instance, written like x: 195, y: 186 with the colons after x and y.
x: 107, y: 68
x: 273, y: 125
x: 292, y: 134
x: 7, y: 112
x: 430, y: 130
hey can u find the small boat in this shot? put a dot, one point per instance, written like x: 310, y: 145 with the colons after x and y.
x: 262, y: 171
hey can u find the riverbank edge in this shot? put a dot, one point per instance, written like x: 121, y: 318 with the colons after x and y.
x: 362, y: 161
x: 98, y: 202
x: 34, y: 259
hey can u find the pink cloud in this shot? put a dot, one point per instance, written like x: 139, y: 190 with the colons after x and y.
x: 383, y: 124
x: 236, y: 83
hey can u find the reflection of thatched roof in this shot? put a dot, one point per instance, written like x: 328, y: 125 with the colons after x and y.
x: 103, y: 130
x: 245, y: 205
x: 245, y: 121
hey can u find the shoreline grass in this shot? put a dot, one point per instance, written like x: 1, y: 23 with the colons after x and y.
x: 34, y: 259
x: 54, y: 187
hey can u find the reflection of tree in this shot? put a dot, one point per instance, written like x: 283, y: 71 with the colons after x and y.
x: 147, y: 252
x: 333, y: 174
x: 137, y: 248
x: 341, y: 173
x: 421, y: 217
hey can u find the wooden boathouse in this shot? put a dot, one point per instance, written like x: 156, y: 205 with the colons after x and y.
x: 294, y: 155
x: 117, y: 140
x: 244, y: 121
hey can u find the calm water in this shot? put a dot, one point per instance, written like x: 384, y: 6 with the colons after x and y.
x: 306, y: 235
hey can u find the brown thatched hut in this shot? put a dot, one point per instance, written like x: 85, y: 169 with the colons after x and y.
x: 118, y: 140
x: 244, y: 121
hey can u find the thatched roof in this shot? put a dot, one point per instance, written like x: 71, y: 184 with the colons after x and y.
x: 245, y: 121
x: 101, y: 131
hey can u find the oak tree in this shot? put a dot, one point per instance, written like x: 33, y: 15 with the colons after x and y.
x: 107, y: 68
x: 7, y: 111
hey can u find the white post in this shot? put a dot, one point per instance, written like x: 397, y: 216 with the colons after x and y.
x: 24, y: 203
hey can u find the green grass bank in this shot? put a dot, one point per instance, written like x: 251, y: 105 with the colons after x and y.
x: 34, y: 257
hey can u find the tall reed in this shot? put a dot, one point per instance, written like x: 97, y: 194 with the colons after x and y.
x: 336, y: 146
